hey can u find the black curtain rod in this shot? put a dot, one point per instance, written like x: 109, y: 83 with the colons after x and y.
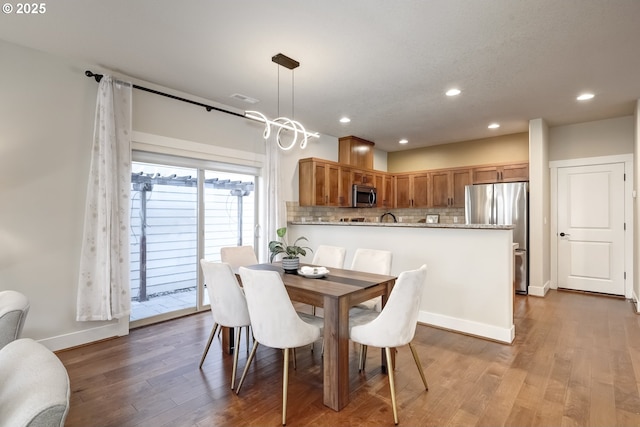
x: 98, y: 77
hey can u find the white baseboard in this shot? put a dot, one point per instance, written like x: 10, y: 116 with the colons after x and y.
x: 85, y: 336
x: 504, y: 335
x: 539, y: 291
x: 634, y: 297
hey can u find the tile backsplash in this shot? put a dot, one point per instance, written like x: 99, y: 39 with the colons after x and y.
x: 296, y: 213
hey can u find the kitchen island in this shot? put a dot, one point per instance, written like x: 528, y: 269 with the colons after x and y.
x: 470, y: 278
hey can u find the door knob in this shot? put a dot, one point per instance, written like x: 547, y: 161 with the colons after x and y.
x: 563, y: 234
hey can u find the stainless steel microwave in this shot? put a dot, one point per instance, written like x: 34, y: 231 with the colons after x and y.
x: 363, y: 196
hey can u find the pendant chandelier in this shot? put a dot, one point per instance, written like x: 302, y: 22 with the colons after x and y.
x: 283, y: 125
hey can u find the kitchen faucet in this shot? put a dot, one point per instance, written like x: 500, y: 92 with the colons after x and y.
x: 388, y: 213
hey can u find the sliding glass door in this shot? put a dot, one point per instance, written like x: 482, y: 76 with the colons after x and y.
x: 179, y: 215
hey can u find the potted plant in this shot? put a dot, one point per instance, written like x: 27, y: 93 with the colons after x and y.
x: 290, y: 260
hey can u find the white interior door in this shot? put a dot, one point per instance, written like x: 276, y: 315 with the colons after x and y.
x: 591, y: 228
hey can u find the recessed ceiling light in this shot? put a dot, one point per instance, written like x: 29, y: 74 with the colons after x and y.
x: 493, y: 126
x: 345, y: 120
x: 403, y: 141
x: 453, y: 92
x: 585, y: 96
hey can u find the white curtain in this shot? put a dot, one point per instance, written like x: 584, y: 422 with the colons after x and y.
x: 275, y: 209
x: 103, y: 288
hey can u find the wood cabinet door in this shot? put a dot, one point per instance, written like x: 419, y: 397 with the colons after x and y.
x: 361, y: 177
x: 332, y: 190
x: 485, y: 175
x: 460, y: 178
x: 502, y: 173
x: 403, y: 191
x: 389, y: 198
x: 420, y: 191
x: 345, y: 187
x: 440, y: 189
x: 516, y: 172
x: 320, y: 181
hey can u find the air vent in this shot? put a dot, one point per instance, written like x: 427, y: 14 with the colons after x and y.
x: 244, y: 98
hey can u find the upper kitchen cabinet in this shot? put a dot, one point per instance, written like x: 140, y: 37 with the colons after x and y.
x: 447, y: 187
x: 384, y: 185
x: 501, y: 173
x: 412, y: 190
x: 362, y: 177
x: 356, y: 152
x: 323, y: 183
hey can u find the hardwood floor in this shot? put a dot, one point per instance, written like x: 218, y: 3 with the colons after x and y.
x: 575, y: 362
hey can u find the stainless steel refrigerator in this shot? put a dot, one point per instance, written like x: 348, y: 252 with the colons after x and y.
x: 503, y: 204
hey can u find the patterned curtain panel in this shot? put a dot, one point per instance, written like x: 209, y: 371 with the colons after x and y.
x: 275, y: 206
x: 103, y: 286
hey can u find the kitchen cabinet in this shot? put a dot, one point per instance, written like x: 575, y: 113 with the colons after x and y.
x: 385, y: 187
x: 362, y: 177
x: 447, y: 187
x: 323, y: 183
x: 412, y: 190
x: 501, y: 173
x: 355, y: 151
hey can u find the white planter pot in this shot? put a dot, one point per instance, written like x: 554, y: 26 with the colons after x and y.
x: 290, y: 264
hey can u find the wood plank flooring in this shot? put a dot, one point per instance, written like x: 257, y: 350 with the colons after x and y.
x: 575, y: 362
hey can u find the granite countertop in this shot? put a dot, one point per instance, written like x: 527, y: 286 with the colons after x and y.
x: 405, y: 224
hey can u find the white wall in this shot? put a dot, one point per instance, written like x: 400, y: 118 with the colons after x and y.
x: 47, y: 108
x: 539, y: 262
x: 592, y: 139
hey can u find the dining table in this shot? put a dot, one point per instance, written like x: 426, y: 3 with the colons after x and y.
x: 336, y: 292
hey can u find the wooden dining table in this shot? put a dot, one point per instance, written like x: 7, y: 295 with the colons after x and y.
x: 336, y: 292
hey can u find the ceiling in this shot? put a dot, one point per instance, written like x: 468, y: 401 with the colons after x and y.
x: 384, y: 64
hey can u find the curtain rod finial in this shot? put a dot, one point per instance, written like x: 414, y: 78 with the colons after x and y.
x: 98, y: 77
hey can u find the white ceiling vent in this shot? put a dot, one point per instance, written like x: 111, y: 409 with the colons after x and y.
x: 244, y: 98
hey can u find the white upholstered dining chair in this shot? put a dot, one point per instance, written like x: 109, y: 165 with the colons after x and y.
x: 238, y: 256
x: 276, y: 323
x: 34, y: 386
x: 228, y: 306
x: 14, y: 307
x: 374, y: 261
x: 329, y: 256
x: 394, y: 326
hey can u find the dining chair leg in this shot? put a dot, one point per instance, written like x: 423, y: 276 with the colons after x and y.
x: 285, y: 382
x: 392, y: 385
x: 363, y: 357
x: 236, y: 351
x: 419, y: 365
x: 246, y: 367
x: 247, y: 338
x: 295, y: 359
x: 206, y: 349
